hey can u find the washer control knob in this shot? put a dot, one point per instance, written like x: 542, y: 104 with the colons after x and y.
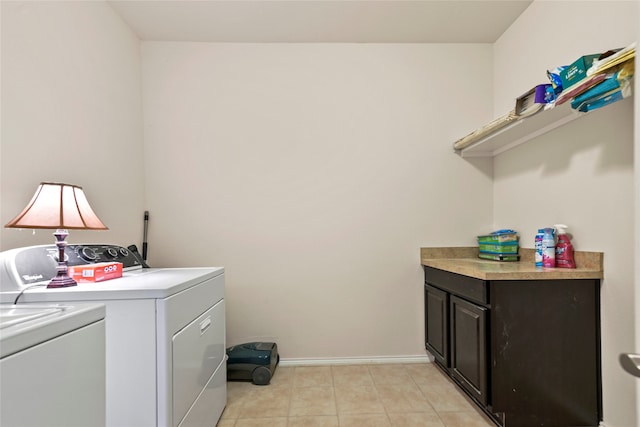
x: 111, y: 252
x: 87, y: 253
x: 124, y: 252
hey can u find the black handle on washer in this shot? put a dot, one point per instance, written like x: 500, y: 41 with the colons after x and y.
x: 134, y: 251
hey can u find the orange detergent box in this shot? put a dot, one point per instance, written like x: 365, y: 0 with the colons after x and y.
x: 96, y: 272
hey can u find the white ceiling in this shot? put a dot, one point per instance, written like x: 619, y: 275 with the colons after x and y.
x: 296, y: 21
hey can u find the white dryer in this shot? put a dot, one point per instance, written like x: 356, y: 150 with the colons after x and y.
x: 165, y: 331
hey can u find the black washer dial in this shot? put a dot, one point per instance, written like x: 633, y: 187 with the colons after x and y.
x: 111, y: 252
x: 87, y: 253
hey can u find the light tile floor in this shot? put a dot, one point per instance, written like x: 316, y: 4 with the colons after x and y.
x: 372, y: 395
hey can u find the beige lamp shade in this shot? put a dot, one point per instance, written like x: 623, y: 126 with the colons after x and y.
x: 58, y: 206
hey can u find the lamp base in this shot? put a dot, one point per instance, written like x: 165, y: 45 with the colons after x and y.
x: 62, y: 279
x: 62, y: 282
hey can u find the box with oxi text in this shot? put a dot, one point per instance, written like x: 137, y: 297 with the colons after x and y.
x: 96, y: 272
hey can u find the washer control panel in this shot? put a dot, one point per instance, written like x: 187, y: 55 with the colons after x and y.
x: 91, y: 254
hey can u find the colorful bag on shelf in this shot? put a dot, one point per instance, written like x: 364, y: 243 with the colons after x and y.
x: 614, y: 87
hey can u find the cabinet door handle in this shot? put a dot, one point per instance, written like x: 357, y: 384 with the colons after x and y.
x: 631, y: 363
x: 204, y: 325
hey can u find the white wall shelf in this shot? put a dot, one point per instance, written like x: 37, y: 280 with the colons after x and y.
x: 521, y: 131
x: 525, y: 129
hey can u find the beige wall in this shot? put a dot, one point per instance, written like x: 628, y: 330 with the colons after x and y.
x: 582, y: 174
x: 314, y: 173
x: 71, y: 112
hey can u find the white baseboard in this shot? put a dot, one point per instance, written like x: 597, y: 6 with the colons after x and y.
x: 356, y: 360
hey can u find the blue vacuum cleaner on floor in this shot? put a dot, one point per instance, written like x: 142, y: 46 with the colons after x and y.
x: 255, y: 361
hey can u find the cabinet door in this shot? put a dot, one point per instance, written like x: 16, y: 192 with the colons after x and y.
x: 436, y: 324
x: 545, y: 352
x: 468, y: 347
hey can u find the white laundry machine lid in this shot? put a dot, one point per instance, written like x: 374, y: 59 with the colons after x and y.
x: 26, y: 325
x: 32, y: 267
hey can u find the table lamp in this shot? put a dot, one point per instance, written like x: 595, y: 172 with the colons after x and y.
x: 61, y: 207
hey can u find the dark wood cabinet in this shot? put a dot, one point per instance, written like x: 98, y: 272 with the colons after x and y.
x: 468, y: 347
x: 436, y: 324
x: 526, y: 351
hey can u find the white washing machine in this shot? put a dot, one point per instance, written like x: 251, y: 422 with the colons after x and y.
x: 165, y: 331
x: 52, y: 365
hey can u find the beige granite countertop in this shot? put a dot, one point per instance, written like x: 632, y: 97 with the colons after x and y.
x: 465, y: 261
